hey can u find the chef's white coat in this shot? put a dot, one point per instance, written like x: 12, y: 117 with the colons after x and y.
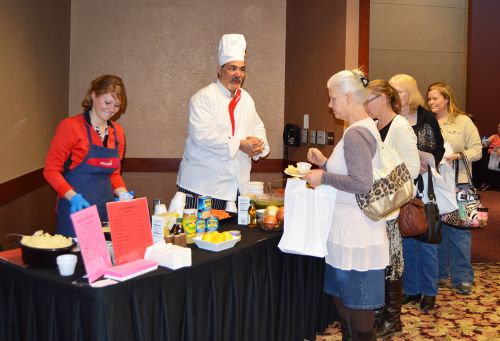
x: 212, y: 163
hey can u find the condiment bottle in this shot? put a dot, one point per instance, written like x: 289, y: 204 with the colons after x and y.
x: 252, y: 213
x: 178, y: 232
x: 177, y: 227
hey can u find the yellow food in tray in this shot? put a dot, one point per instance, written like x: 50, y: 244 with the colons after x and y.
x: 217, y: 237
x: 44, y: 240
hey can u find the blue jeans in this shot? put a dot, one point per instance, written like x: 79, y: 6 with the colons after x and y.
x: 420, y: 274
x: 454, y: 255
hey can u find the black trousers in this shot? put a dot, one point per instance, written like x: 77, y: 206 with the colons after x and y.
x: 192, y: 200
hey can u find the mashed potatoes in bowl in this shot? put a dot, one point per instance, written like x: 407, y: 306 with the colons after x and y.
x: 44, y: 240
x: 41, y: 249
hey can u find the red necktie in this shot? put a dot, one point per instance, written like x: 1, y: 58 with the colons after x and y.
x: 232, y: 105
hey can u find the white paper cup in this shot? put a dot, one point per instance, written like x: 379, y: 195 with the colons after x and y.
x: 66, y: 264
x: 304, y: 166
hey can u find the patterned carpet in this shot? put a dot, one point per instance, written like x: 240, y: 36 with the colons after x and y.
x: 456, y: 317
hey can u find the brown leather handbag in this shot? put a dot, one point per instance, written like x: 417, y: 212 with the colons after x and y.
x: 412, y: 220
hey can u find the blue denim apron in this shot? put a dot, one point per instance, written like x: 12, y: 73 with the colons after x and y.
x: 91, y: 179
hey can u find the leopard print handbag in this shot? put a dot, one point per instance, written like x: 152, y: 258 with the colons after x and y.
x: 392, y: 185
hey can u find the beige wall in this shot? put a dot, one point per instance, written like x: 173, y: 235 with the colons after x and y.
x: 424, y: 38
x: 34, y: 68
x: 166, y: 51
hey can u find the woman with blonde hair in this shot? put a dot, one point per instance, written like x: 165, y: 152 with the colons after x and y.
x: 384, y: 105
x: 358, y: 251
x: 454, y: 252
x: 421, y: 267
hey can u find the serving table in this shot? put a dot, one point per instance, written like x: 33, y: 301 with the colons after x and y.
x: 252, y: 291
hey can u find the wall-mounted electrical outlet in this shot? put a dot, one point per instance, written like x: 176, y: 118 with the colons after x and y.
x: 330, y: 138
x: 321, y: 137
x: 306, y: 121
x: 304, y: 135
x: 312, y: 136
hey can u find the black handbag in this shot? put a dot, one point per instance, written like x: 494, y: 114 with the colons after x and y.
x: 433, y: 234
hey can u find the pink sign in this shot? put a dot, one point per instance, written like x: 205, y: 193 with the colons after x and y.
x: 92, y: 243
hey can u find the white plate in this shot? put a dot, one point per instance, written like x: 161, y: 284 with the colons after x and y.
x: 295, y: 174
x: 203, y: 244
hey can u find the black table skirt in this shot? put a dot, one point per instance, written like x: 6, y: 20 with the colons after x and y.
x: 250, y: 292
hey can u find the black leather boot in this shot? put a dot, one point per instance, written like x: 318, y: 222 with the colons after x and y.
x: 345, y: 327
x: 379, y: 318
x: 427, y: 303
x: 392, y: 316
x: 365, y: 335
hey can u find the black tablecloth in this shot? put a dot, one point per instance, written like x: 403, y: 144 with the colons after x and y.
x: 250, y: 292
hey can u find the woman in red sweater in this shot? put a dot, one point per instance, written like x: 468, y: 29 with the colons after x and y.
x: 84, y: 159
x: 494, y: 142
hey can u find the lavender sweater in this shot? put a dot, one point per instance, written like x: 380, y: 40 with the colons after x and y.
x: 359, y: 149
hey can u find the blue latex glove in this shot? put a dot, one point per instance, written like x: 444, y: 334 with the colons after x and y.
x: 78, y: 203
x: 125, y: 196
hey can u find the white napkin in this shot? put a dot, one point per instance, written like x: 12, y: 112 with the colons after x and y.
x: 169, y: 255
x: 178, y: 203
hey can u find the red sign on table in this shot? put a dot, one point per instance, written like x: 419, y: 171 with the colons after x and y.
x: 130, y: 229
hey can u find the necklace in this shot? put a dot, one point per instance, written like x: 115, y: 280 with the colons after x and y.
x: 101, y: 132
x: 100, y: 129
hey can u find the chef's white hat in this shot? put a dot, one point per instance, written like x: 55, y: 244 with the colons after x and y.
x: 231, y: 47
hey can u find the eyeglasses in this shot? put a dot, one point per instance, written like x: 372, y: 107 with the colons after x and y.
x: 372, y: 99
x: 234, y: 68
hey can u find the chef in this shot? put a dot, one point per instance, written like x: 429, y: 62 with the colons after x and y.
x: 224, y: 132
x: 83, y: 162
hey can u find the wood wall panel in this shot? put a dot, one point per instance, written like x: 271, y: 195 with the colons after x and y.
x: 29, y: 212
x: 315, y: 50
x: 483, y: 71
x: 15, y: 188
x: 172, y: 165
x: 364, y: 35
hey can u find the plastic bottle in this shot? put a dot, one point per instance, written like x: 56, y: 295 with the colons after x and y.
x: 159, y: 223
x: 252, y: 213
x: 485, y: 141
